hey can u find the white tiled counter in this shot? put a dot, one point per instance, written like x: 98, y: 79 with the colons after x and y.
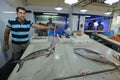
x: 65, y: 63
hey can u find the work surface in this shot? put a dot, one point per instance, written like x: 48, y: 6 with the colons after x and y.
x: 64, y: 63
x: 108, y: 39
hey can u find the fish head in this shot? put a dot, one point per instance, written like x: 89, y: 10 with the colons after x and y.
x: 77, y: 50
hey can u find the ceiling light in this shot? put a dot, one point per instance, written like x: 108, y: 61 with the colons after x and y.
x: 87, y: 16
x: 50, y: 14
x: 108, y: 12
x: 58, y: 8
x: 110, y: 2
x: 83, y: 10
x: 8, y: 12
x: 70, y: 2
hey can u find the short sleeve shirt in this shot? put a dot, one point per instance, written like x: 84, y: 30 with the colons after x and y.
x: 19, y: 31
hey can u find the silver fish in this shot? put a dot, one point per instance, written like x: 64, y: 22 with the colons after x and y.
x: 43, y: 52
x: 92, y: 55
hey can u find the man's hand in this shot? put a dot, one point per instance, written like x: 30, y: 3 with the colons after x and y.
x: 54, y: 28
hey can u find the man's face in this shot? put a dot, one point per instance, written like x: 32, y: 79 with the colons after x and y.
x: 21, y: 14
x: 50, y: 20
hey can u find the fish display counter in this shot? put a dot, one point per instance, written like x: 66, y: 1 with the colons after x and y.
x: 94, y: 31
x: 66, y: 62
x: 110, y: 40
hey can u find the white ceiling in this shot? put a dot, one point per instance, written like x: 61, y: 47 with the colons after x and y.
x: 98, y: 5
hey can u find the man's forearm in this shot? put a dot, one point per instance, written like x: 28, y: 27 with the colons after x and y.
x: 45, y: 27
x: 6, y: 37
x: 42, y: 27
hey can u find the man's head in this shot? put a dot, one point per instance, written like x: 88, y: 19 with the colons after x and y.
x: 99, y: 22
x: 50, y: 20
x: 21, y: 12
x: 94, y: 21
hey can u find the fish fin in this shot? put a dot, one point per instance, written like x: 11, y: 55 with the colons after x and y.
x: 20, y: 62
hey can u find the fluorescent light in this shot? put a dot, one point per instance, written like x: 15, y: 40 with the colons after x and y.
x: 50, y: 14
x: 110, y: 2
x: 83, y: 10
x: 8, y: 12
x: 58, y: 8
x: 87, y: 16
x: 70, y: 2
x: 108, y: 12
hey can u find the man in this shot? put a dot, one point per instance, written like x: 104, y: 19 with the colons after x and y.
x: 19, y: 28
x: 50, y: 23
x: 91, y: 25
x: 100, y: 26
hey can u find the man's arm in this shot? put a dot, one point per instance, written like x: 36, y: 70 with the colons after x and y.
x: 6, y: 38
x: 42, y: 27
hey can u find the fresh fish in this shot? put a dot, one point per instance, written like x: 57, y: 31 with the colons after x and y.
x: 43, y: 52
x: 92, y: 55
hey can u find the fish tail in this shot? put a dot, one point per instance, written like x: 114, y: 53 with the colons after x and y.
x: 20, y: 62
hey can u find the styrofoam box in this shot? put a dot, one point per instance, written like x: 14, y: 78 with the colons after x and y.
x: 82, y: 38
x: 38, y: 39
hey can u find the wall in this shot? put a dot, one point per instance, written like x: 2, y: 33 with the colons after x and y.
x: 74, y: 23
x: 115, y: 23
x: 82, y: 24
x: 3, y: 20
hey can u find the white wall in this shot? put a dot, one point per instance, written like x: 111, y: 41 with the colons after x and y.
x: 4, y: 17
x: 74, y: 23
x: 3, y: 20
x: 115, y: 22
x: 82, y: 22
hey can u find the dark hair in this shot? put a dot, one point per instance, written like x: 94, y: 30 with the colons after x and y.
x: 94, y: 20
x: 17, y: 9
x: 50, y: 18
x: 99, y: 22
